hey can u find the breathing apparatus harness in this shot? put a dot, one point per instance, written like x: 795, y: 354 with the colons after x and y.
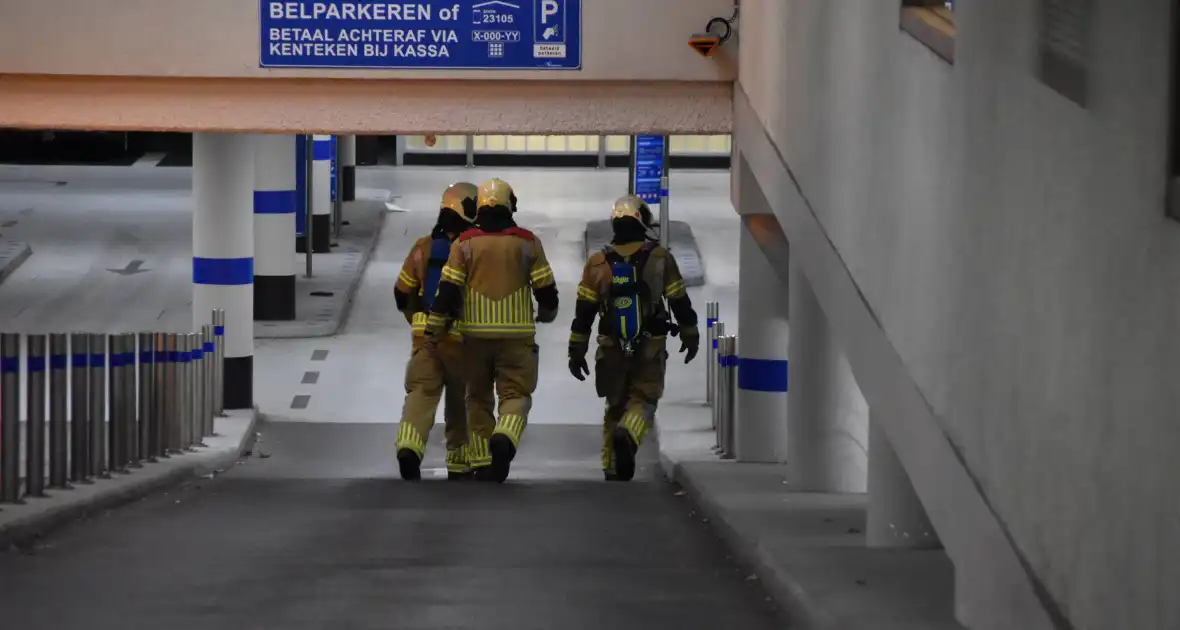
x: 629, y: 295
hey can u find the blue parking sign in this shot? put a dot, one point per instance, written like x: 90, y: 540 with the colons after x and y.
x: 549, y: 22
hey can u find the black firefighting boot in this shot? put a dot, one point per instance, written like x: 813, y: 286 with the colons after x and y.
x: 625, y: 449
x: 409, y: 464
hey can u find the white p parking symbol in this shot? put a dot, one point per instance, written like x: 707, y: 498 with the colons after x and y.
x: 548, y: 8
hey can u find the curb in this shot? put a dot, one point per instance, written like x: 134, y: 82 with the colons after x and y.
x: 24, y: 531
x: 800, y: 610
x: 14, y: 263
x: 330, y: 329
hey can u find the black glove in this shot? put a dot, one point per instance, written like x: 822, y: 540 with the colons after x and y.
x: 690, y: 344
x: 578, y: 366
x: 546, y: 316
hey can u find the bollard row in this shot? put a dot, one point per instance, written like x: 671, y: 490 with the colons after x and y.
x: 721, y: 380
x: 101, y: 404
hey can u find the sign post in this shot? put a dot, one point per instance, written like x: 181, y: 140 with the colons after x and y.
x: 300, y: 192
x: 427, y: 35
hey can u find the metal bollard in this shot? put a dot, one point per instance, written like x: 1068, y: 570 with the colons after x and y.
x: 10, y: 418
x: 711, y: 349
x: 729, y: 384
x: 159, y: 403
x: 722, y: 392
x: 58, y: 395
x: 35, y: 408
x: 715, y: 382
x: 210, y: 348
x: 147, y: 404
x: 197, y: 378
x: 172, y: 417
x: 117, y: 414
x: 219, y: 362
x: 130, y: 434
x: 98, y: 406
x: 79, y: 408
x: 184, y: 382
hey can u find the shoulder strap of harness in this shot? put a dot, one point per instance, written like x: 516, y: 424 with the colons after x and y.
x: 440, y: 250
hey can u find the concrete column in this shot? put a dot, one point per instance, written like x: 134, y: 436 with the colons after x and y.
x: 274, y: 223
x: 896, y: 517
x: 223, y: 252
x: 827, y: 427
x: 760, y: 433
x: 321, y: 190
x: 348, y: 167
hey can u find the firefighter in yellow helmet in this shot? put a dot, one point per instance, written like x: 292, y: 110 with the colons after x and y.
x: 429, y: 374
x: 494, y: 272
x: 631, y: 285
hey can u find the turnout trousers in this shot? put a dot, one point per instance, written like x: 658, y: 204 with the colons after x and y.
x: 498, y: 367
x: 430, y: 377
x: 632, y: 386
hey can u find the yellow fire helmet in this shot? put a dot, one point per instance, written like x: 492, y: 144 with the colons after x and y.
x: 632, y: 206
x: 496, y: 192
x: 460, y: 197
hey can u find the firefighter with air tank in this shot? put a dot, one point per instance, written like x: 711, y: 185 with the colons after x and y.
x: 495, y: 271
x: 630, y: 285
x: 431, y: 373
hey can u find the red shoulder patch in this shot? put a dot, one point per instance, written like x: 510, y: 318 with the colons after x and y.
x: 521, y: 232
x: 471, y: 233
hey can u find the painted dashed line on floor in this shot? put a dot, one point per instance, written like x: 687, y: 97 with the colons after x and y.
x: 301, y: 401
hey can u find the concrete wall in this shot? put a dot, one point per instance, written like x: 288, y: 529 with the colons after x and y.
x: 622, y: 40
x: 1012, y: 246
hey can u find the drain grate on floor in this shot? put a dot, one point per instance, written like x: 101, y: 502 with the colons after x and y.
x: 323, y: 293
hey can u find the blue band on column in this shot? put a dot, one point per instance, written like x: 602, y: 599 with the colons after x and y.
x: 117, y: 360
x: 57, y: 362
x: 198, y: 354
x: 208, y: 347
x: 274, y: 201
x: 36, y: 364
x: 173, y: 356
x: 9, y: 365
x: 98, y: 360
x: 710, y: 321
x: 80, y: 360
x: 322, y: 150
x: 146, y: 356
x: 714, y: 344
x: 219, y: 330
x: 223, y: 271
x: 184, y: 357
x: 762, y: 375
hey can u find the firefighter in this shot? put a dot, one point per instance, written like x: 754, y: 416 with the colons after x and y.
x: 430, y: 374
x: 631, y: 285
x: 486, y: 286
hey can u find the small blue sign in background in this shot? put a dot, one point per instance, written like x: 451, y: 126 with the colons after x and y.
x: 649, y: 167
x: 332, y: 169
x: 428, y: 34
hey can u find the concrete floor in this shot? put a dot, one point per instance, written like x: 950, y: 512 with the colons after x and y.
x: 317, y: 536
x: 319, y: 533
